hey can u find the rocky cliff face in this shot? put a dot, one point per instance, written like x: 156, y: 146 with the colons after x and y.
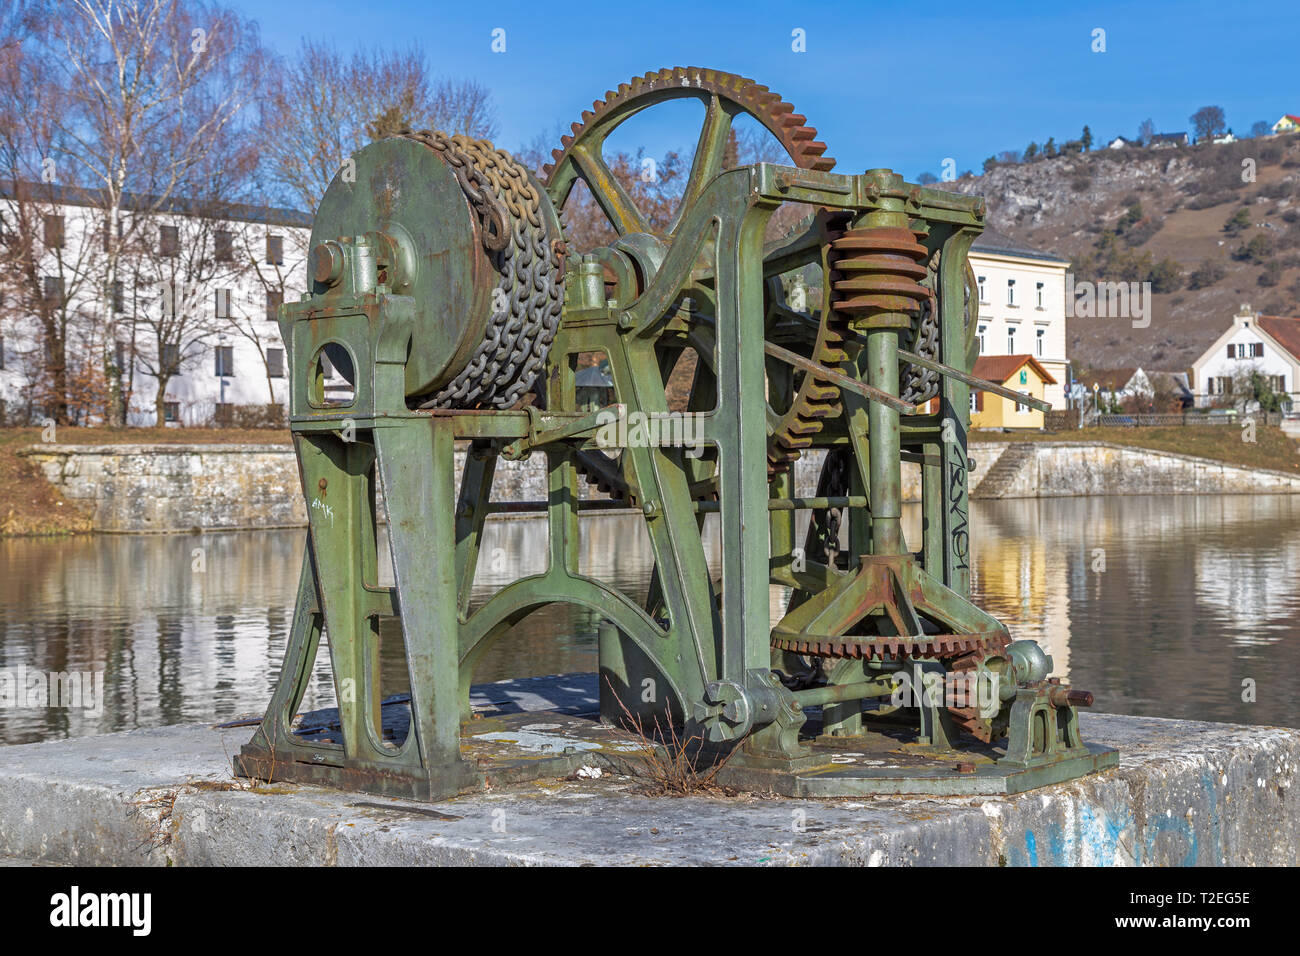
x: 1211, y: 226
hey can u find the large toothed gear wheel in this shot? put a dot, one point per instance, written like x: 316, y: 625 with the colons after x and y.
x: 725, y: 96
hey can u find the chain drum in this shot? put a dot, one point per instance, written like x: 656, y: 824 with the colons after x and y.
x: 470, y: 235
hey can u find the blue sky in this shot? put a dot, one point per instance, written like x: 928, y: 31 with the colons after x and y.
x: 903, y: 85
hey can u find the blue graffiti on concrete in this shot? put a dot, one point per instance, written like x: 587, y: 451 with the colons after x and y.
x: 1179, y: 828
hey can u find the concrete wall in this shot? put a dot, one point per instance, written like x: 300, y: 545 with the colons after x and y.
x: 1185, y: 793
x: 1069, y: 469
x: 158, y: 488
x: 144, y: 488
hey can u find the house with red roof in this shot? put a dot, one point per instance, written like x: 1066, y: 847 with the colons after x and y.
x: 1287, y: 124
x: 1024, y: 373
x: 1254, y: 343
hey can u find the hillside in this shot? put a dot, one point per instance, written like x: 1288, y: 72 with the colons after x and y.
x: 1131, y: 214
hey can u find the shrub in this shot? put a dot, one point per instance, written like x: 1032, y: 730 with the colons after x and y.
x: 1240, y: 220
x: 1166, y: 276
x: 1271, y: 274
x: 1258, y: 250
x: 1278, y: 190
x: 1206, y: 275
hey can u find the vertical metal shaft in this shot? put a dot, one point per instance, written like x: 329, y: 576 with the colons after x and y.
x: 886, y: 471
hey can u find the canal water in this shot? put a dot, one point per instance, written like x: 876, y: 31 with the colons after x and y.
x: 1164, y: 606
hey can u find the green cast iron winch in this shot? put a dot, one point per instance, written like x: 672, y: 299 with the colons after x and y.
x: 444, y: 292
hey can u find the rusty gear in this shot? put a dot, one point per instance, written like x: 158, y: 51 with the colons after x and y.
x: 800, y: 142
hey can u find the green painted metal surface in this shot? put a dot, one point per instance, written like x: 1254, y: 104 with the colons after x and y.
x: 411, y: 277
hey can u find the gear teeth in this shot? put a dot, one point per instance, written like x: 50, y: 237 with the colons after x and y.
x: 789, y: 127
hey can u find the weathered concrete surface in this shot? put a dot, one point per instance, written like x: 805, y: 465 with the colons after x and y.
x: 1184, y: 793
x: 1069, y: 469
x: 142, y: 488
x: 168, y: 488
x: 160, y: 488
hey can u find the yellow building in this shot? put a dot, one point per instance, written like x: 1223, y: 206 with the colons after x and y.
x: 1020, y: 372
x: 1287, y: 124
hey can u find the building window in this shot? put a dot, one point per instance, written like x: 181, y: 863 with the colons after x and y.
x: 1256, y: 349
x: 275, y: 250
x: 273, y: 300
x: 171, y: 357
x: 1011, y: 292
x: 275, y: 363
x: 225, y: 364
x: 108, y: 232
x: 171, y: 411
x: 1277, y: 383
x: 974, y: 401
x: 982, y: 329
x: 169, y: 241
x: 983, y: 292
x: 1039, y: 337
x: 1021, y: 409
x: 224, y: 245
x: 221, y: 303
x: 54, y: 232
x: 1011, y: 340
x: 52, y: 286
x: 1039, y: 292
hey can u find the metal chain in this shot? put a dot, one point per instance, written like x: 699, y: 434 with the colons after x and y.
x: 529, y: 258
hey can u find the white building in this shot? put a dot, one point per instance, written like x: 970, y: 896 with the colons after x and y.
x: 1022, y: 306
x: 195, y: 303
x: 1267, y: 344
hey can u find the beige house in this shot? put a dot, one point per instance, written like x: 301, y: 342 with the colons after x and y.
x: 1022, y: 306
x: 1020, y: 372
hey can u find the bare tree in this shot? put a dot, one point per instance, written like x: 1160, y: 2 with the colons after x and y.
x: 190, y: 263
x: 44, y: 259
x: 1208, y: 121
x: 319, y: 107
x: 274, y: 249
x: 152, y: 85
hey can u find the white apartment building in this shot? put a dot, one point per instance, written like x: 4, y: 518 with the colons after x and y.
x: 1267, y: 344
x: 1022, y: 306
x: 196, y: 301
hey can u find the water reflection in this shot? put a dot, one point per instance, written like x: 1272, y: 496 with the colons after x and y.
x: 1160, y: 606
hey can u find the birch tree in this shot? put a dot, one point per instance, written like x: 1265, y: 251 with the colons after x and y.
x: 152, y: 85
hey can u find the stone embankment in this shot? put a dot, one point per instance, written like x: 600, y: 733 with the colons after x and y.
x: 171, y: 488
